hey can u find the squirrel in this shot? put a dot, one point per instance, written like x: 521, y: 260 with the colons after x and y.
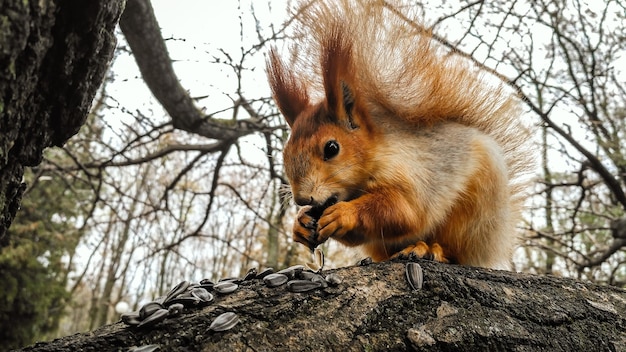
x: 396, y: 145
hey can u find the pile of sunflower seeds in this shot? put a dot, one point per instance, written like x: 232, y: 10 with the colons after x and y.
x: 183, y: 295
x: 298, y: 278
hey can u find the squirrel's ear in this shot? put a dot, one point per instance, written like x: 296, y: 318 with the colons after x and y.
x: 289, y: 94
x: 339, y: 75
x: 348, y: 102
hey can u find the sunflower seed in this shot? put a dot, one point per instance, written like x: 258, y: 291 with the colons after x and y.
x: 274, y: 280
x: 414, y: 275
x: 306, y: 275
x: 145, y: 348
x: 291, y: 271
x: 250, y: 275
x: 312, y: 267
x: 230, y: 279
x: 187, y: 301
x: 148, y: 309
x: 315, y: 213
x: 156, y: 317
x: 177, y: 290
x: 318, y: 261
x: 302, y: 285
x: 202, y: 294
x: 333, y: 279
x: 318, y: 256
x: 320, y: 279
x: 264, y: 273
x: 131, y: 318
x: 225, y: 287
x: 175, y: 309
x: 224, y: 321
x: 206, y: 282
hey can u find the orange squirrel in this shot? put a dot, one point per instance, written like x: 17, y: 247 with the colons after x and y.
x: 405, y: 150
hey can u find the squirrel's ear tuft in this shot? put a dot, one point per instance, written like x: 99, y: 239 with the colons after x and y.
x: 289, y: 94
x: 339, y: 76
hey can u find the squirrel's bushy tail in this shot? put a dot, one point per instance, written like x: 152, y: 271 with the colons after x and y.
x: 400, y: 70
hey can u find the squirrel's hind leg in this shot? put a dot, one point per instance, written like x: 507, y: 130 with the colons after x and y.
x: 422, y: 250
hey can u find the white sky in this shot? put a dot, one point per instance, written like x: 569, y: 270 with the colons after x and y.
x: 196, y: 32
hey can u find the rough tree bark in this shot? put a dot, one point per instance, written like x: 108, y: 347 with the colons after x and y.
x: 53, y: 57
x: 373, y: 309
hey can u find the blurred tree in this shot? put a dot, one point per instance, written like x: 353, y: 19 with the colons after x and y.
x: 34, y: 267
x: 33, y: 295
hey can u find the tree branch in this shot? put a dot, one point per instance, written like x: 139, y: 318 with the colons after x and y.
x: 142, y: 32
x: 374, y: 309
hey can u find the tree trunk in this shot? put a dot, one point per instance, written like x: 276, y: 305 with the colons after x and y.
x: 373, y: 309
x: 53, y: 57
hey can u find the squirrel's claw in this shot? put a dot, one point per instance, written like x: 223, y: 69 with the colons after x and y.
x: 422, y: 250
x: 337, y: 220
x: 304, y: 235
x: 305, y: 228
x: 307, y: 238
x: 315, y: 225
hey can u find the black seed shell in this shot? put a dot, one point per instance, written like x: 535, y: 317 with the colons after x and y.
x: 131, y: 318
x: 333, y: 279
x: 148, y: 309
x: 156, y: 317
x: 177, y: 290
x: 274, y: 280
x: 224, y: 321
x: 175, y: 309
x: 414, y: 275
x: 225, y: 287
x: 264, y: 273
x: 302, y: 285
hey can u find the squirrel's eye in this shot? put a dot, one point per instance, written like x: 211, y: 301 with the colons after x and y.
x: 331, y: 149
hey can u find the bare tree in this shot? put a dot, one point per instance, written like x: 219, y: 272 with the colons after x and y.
x: 571, y: 81
x: 562, y: 57
x: 181, y: 194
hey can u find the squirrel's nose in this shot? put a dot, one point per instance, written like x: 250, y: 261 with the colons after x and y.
x: 301, y: 201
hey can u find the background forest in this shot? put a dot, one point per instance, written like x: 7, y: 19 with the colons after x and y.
x: 178, y: 172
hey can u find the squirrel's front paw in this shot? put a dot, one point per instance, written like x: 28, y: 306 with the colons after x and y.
x: 422, y: 250
x: 305, y: 228
x: 337, y: 220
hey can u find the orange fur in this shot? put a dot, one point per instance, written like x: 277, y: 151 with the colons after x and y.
x: 407, y: 149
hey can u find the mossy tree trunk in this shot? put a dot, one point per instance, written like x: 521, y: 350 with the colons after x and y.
x: 53, y: 57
